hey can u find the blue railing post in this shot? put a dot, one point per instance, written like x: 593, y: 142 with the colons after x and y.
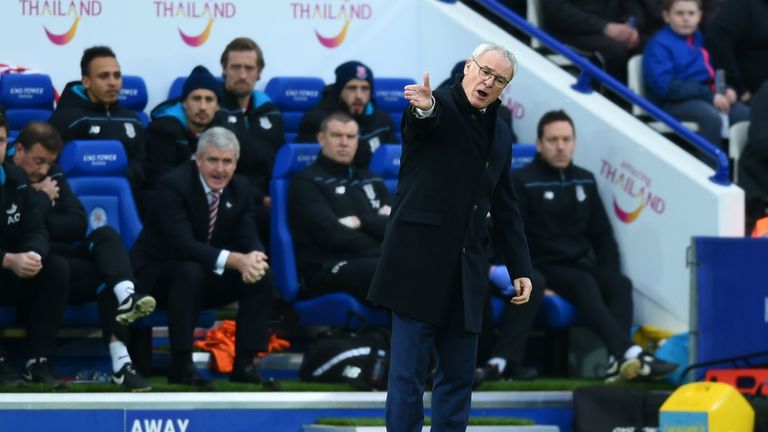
x: 590, y: 71
x: 583, y: 83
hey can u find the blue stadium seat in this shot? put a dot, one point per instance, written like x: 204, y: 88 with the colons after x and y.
x: 294, y: 96
x: 175, y: 90
x: 388, y: 95
x: 333, y: 309
x: 26, y: 97
x: 386, y: 164
x: 96, y: 172
x: 522, y: 155
x: 178, y: 83
x: 134, y: 96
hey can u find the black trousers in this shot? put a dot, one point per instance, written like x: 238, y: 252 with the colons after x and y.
x: 184, y: 288
x: 602, y: 297
x: 352, y: 276
x: 97, y: 264
x: 41, y: 301
x: 515, y: 324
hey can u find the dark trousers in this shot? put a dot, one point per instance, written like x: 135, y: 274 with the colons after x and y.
x: 97, y: 264
x: 41, y: 302
x: 515, y: 324
x: 184, y: 288
x: 352, y: 276
x: 707, y: 117
x: 602, y: 297
x: 413, y: 345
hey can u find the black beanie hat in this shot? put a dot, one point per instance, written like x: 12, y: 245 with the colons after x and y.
x: 201, y: 78
x: 349, y: 71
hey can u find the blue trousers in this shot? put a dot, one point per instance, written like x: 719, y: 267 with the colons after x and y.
x: 413, y: 344
x: 707, y: 117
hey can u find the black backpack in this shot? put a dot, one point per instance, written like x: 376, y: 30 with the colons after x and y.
x: 360, y: 358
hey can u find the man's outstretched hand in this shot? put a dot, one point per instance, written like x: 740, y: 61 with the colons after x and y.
x: 419, y: 95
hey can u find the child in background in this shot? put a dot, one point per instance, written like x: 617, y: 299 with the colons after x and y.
x: 679, y: 77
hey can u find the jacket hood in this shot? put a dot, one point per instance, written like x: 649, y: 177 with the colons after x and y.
x: 170, y: 108
x: 74, y: 95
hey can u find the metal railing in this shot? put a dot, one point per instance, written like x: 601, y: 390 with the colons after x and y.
x: 590, y: 72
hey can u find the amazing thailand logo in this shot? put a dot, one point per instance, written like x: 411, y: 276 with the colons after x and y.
x: 339, y: 14
x: 632, y: 193
x: 62, y: 11
x: 202, y: 12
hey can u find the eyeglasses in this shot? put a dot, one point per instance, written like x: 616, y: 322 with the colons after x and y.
x: 484, y: 73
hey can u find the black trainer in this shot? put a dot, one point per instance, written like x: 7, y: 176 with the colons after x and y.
x: 7, y: 375
x: 645, y: 366
x: 39, y: 371
x: 129, y: 378
x: 134, y: 307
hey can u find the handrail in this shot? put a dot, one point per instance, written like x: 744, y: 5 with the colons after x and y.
x: 590, y: 72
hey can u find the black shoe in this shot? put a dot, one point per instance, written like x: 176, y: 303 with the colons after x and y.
x: 489, y: 372
x: 188, y: 375
x: 250, y: 375
x: 130, y: 379
x: 521, y: 373
x: 7, y: 375
x: 39, y: 371
x: 134, y: 307
x: 645, y: 366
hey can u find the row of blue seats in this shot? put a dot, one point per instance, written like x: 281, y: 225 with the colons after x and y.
x: 94, y: 169
x: 28, y: 97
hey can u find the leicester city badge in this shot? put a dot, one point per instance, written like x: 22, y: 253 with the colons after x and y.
x: 580, y: 194
x: 265, y: 123
x: 129, y: 130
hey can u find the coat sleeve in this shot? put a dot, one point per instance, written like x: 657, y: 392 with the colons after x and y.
x: 137, y: 157
x: 35, y: 236
x: 312, y: 216
x: 373, y: 223
x: 66, y: 221
x: 508, y: 233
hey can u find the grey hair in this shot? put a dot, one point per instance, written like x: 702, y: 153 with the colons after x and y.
x: 218, y: 137
x: 506, y: 53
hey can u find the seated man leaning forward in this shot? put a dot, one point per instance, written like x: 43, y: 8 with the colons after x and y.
x: 338, y: 213
x: 199, y: 249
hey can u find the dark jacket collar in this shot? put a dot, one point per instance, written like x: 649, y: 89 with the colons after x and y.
x: 549, y: 170
x: 463, y: 103
x: 75, y: 95
x: 334, y: 168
